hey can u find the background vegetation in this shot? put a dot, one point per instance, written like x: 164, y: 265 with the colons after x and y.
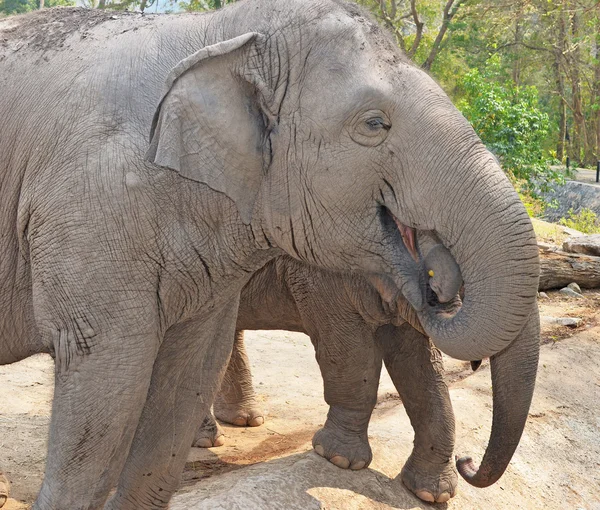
x: 526, y: 73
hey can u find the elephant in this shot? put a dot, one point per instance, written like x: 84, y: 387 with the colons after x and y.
x: 149, y: 165
x: 352, y: 330
x: 269, y: 301
x: 4, y: 486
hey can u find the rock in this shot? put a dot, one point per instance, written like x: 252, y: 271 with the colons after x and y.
x: 588, y: 245
x: 570, y: 292
x: 542, y: 295
x: 572, y: 195
x: 573, y: 286
x: 303, y: 481
x: 571, y: 231
x: 570, y: 322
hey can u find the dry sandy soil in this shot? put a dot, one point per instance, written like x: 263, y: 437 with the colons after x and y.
x: 557, y: 464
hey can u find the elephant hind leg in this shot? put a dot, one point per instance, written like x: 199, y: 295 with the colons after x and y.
x: 236, y: 402
x: 4, y: 486
x: 209, y: 434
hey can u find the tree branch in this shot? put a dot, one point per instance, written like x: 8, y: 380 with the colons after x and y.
x: 450, y: 11
x: 389, y: 21
x: 419, y: 24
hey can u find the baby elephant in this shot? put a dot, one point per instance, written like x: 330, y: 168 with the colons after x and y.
x: 352, y: 330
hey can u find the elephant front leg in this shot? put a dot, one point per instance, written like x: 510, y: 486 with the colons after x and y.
x: 415, y: 367
x: 186, y: 375
x: 102, y: 375
x: 351, y: 366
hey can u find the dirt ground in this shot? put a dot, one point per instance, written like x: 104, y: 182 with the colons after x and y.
x: 556, y: 466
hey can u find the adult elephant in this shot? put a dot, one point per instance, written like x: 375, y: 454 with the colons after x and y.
x: 284, y: 127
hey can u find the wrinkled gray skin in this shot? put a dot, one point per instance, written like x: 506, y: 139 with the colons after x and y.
x: 276, y: 126
x: 444, y: 274
x: 352, y: 330
x: 4, y: 486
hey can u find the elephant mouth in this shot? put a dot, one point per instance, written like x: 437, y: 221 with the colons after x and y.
x: 409, y: 238
x: 408, y: 234
x: 398, y: 230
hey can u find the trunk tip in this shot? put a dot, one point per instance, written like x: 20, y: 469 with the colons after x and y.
x: 472, y: 474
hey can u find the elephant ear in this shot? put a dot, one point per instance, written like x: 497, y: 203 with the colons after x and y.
x: 213, y: 124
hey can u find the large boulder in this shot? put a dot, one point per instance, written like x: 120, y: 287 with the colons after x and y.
x: 572, y: 195
x: 588, y: 245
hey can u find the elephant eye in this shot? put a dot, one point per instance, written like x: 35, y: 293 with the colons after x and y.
x: 370, y: 128
x: 377, y: 123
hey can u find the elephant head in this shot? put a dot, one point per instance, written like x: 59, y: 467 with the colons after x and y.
x: 335, y: 147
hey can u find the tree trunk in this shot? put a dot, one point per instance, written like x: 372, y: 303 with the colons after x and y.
x: 41, y: 4
x: 419, y: 25
x: 559, y: 51
x: 579, y: 137
x: 596, y: 89
x: 388, y: 18
x: 449, y: 13
x: 559, y: 268
x: 516, y: 65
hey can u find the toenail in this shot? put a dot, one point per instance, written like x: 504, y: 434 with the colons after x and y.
x: 443, y: 497
x: 358, y: 465
x: 257, y: 421
x: 203, y: 443
x: 425, y: 496
x: 339, y: 461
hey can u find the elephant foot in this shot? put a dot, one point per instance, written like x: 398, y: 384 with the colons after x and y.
x: 342, y: 449
x: 431, y: 482
x: 3, y: 490
x: 209, y: 434
x: 246, y: 414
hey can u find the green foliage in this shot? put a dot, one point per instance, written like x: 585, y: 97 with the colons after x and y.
x: 585, y: 221
x: 8, y: 7
x: 535, y: 206
x: 203, y: 5
x: 511, y: 124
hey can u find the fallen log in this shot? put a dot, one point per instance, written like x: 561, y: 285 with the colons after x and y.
x: 559, y: 268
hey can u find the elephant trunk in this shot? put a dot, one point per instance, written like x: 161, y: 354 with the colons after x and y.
x: 491, y: 238
x: 513, y: 381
